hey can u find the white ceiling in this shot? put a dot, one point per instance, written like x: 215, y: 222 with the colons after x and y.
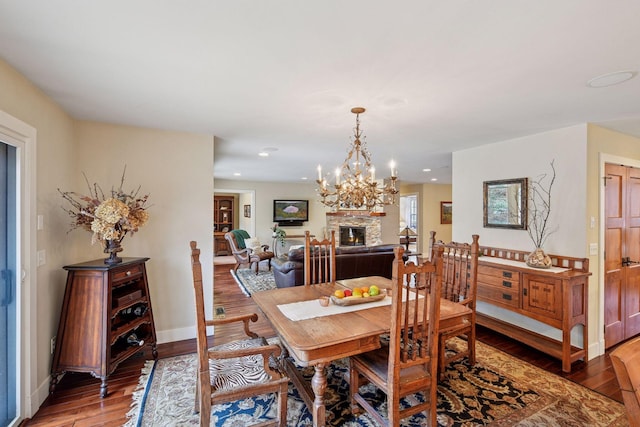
x: 435, y: 76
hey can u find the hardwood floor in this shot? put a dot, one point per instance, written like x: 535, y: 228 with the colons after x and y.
x: 76, y: 401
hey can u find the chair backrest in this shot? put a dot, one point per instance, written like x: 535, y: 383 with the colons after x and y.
x: 201, y: 322
x: 414, y: 334
x: 626, y: 364
x: 459, y: 269
x: 319, y: 259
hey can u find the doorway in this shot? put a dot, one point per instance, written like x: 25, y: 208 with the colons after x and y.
x: 409, y: 218
x: 622, y: 253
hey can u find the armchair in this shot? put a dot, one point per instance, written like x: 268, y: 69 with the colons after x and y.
x: 245, y: 255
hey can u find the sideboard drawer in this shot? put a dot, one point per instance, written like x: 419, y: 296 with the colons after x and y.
x: 512, y: 282
x: 502, y: 273
x: 504, y: 297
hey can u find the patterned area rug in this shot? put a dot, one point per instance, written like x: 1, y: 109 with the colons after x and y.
x: 249, y: 282
x: 498, y: 391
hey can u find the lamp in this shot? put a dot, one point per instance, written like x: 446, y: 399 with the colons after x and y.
x: 406, y: 233
x: 355, y: 183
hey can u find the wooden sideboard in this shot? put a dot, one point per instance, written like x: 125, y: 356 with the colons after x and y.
x: 553, y: 297
x: 106, y: 317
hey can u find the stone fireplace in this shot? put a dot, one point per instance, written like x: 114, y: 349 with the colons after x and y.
x: 371, y: 224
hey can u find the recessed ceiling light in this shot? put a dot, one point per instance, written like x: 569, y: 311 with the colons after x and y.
x: 237, y: 174
x: 434, y: 179
x: 426, y: 170
x: 611, y: 79
x: 263, y: 154
x: 304, y: 178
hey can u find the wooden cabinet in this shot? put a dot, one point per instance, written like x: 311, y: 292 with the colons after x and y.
x: 106, y: 317
x: 220, y: 244
x: 223, y: 221
x: 557, y: 297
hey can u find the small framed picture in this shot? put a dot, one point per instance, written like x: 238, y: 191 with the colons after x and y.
x: 445, y: 212
x: 247, y: 211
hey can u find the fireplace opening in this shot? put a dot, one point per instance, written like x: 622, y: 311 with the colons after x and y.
x: 352, y: 236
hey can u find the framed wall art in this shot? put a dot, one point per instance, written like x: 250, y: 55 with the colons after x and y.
x: 445, y: 212
x: 247, y: 211
x: 505, y: 203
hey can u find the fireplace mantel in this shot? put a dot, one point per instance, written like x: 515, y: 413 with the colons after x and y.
x: 356, y: 213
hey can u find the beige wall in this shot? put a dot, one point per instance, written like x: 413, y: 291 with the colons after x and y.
x: 429, y: 198
x: 266, y: 192
x: 603, y: 145
x: 176, y: 169
x: 55, y: 164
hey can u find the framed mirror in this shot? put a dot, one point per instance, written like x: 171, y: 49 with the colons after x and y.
x: 505, y: 203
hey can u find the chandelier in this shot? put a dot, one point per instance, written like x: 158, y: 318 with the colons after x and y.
x: 355, y: 183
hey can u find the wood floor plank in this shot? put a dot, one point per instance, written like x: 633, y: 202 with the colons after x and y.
x: 77, y: 401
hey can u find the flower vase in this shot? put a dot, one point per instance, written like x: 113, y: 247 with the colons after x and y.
x: 538, y: 259
x: 112, y: 247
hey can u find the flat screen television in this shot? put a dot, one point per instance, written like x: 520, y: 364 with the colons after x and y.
x: 290, y: 212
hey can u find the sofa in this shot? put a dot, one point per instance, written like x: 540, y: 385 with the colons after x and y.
x: 351, y: 261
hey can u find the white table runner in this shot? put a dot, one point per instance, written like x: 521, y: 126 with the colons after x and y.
x: 309, y: 309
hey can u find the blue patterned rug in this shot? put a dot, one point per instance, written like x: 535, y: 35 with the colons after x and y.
x: 250, y: 282
x: 498, y: 391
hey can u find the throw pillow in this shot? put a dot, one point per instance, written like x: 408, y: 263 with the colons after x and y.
x: 254, y: 244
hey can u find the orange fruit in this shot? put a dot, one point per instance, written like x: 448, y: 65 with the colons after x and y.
x: 364, y: 289
x: 339, y: 293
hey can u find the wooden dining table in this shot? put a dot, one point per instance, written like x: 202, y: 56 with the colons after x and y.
x: 317, y: 341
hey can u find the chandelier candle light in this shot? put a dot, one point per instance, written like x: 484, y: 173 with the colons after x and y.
x: 355, y: 185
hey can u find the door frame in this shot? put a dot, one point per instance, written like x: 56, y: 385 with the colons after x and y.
x: 252, y: 193
x: 603, y: 159
x: 23, y: 137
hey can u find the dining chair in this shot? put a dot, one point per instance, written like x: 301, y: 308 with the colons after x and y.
x: 319, y: 259
x: 237, y: 369
x: 408, y: 364
x: 625, y: 360
x: 459, y: 284
x: 244, y: 254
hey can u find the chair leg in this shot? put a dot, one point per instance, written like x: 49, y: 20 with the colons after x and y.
x: 236, y: 267
x: 282, y: 405
x: 354, y: 386
x: 197, y: 401
x: 471, y: 344
x: 257, y: 267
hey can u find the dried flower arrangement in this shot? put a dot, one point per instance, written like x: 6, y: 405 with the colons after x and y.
x: 109, y: 218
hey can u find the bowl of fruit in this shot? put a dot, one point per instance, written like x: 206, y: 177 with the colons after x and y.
x: 358, y: 295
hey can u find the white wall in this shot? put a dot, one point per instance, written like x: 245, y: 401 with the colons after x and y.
x: 526, y: 157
